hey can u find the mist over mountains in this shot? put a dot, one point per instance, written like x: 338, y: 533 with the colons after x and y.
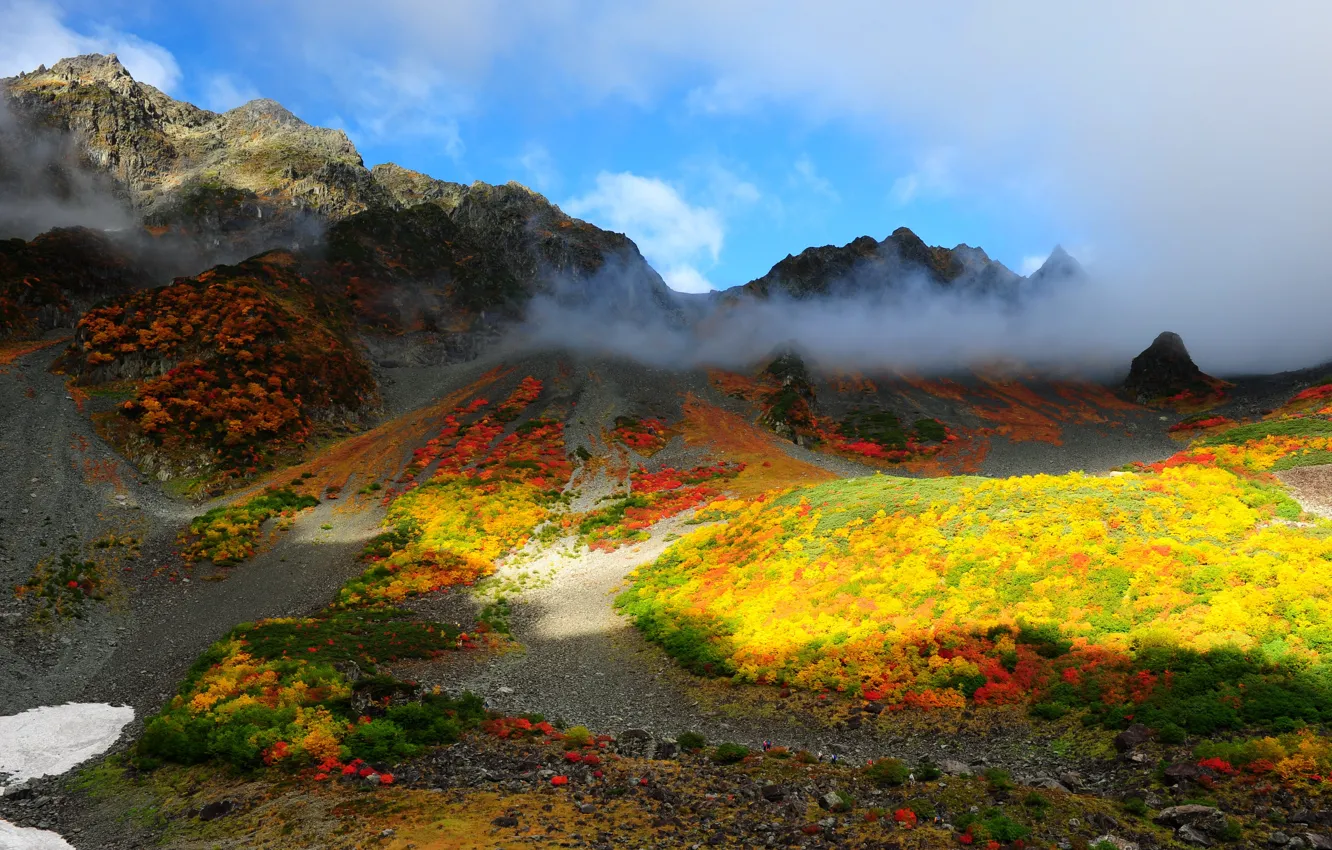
x: 85, y: 144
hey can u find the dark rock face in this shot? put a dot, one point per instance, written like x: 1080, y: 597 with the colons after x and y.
x: 1165, y: 369
x: 216, y: 809
x: 867, y: 267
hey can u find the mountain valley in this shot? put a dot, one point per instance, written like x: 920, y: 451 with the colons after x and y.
x: 295, y: 469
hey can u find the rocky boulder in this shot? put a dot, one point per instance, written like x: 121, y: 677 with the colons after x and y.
x: 1134, y: 736
x: 1164, y: 370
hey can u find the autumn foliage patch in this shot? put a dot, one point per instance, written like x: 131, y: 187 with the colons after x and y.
x: 646, y: 436
x: 654, y: 496
x: 240, y: 363
x: 1065, y: 591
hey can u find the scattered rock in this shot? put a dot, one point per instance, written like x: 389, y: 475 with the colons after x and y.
x: 1317, y: 842
x: 587, y: 808
x: 773, y: 793
x: 505, y: 821
x: 1181, y: 771
x: 1072, y: 780
x: 1193, y: 835
x: 1050, y: 784
x: 1278, y: 839
x: 1192, y: 814
x: 833, y: 802
x: 635, y: 743
x: 953, y: 767
x: 1114, y: 841
x: 1134, y: 736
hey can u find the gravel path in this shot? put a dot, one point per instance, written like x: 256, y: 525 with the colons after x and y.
x: 60, y: 485
x: 1312, y: 487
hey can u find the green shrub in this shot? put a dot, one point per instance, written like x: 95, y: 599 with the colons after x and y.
x: 923, y: 809
x: 576, y: 737
x: 930, y: 430
x: 1171, y: 733
x: 926, y: 771
x: 691, y: 741
x: 425, y: 724
x: 729, y: 753
x: 887, y: 772
x: 998, y: 778
x: 1232, y: 831
x: 1001, y: 828
x: 1049, y: 710
x: 1135, y: 806
x: 380, y: 741
x: 176, y: 737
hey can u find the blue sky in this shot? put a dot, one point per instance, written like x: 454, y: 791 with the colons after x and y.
x: 715, y: 186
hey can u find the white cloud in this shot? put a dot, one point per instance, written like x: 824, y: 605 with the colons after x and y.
x: 722, y: 97
x: 1031, y: 263
x: 33, y: 33
x: 724, y: 189
x: 537, y: 162
x: 686, y: 279
x: 399, y: 98
x: 224, y: 92
x: 808, y: 175
x: 931, y: 179
x: 672, y: 234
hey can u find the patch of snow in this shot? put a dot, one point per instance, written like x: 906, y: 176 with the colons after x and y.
x: 52, y: 739
x: 22, y: 838
x: 47, y: 741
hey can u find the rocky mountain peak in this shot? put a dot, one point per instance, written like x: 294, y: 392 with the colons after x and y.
x: 80, y: 72
x: 1059, y: 266
x: 265, y: 111
x: 972, y: 258
x: 869, y: 267
x: 90, y: 68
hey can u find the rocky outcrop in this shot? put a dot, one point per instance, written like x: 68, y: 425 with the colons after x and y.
x: 868, y: 267
x: 1165, y: 370
x: 409, y: 188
